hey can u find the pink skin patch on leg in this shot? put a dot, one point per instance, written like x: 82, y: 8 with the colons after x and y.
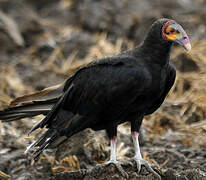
x: 135, y: 134
x: 114, y: 139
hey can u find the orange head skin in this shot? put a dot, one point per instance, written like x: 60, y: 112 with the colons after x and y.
x: 171, y: 31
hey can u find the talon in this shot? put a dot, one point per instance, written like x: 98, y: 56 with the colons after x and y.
x: 142, y: 162
x: 138, y: 166
x: 119, y: 167
x: 138, y: 157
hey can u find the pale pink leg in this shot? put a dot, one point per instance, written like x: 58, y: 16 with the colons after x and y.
x: 138, y: 157
x: 113, y: 143
x: 135, y: 136
x: 113, y: 159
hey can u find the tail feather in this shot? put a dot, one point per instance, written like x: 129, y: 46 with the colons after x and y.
x: 14, y: 117
x: 27, y: 110
x: 42, y: 138
x: 52, y: 113
x: 57, y: 133
x: 50, y: 139
x: 45, y: 144
x: 43, y: 95
x: 40, y: 102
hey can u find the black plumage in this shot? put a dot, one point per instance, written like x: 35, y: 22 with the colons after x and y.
x: 104, y: 93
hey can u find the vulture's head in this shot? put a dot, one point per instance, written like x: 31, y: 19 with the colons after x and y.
x: 172, y: 31
x: 169, y: 31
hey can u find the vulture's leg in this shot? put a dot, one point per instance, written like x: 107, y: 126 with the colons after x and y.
x: 135, y: 127
x: 113, y: 143
x: 112, y: 134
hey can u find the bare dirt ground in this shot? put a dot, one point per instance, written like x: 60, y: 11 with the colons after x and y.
x: 43, y: 42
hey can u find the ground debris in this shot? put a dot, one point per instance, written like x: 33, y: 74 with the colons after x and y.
x: 109, y: 172
x: 12, y: 28
x: 69, y: 163
x: 4, y: 175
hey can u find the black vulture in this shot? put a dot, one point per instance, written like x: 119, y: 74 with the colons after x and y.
x: 106, y: 92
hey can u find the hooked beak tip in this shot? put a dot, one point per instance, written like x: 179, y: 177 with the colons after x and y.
x: 188, y: 47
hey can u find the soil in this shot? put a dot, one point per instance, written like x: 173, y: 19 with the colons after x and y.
x: 43, y: 42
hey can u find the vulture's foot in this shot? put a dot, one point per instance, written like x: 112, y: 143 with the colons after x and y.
x: 119, y: 167
x: 142, y: 162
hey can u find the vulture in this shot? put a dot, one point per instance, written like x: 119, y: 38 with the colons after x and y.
x: 105, y: 93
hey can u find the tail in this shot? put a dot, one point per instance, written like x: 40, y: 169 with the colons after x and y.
x: 57, y: 121
x: 27, y: 110
x: 61, y: 124
x: 31, y: 105
x: 55, y: 135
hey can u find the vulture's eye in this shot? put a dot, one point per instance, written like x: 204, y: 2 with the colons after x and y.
x: 172, y: 30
